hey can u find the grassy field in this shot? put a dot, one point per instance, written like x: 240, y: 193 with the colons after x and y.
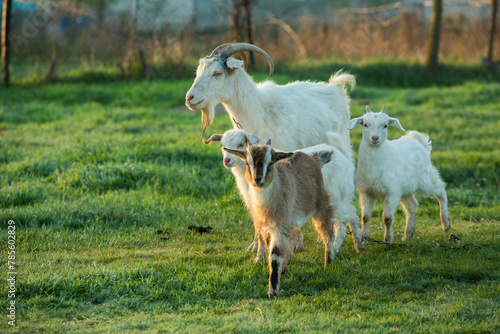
x: 91, y: 172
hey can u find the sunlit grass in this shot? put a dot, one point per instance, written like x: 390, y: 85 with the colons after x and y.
x: 90, y: 173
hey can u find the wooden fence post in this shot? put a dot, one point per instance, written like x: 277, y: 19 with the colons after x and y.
x: 7, y: 9
x: 491, y: 28
x: 432, y: 57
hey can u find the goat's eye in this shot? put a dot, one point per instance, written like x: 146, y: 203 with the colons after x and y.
x: 239, y: 146
x: 365, y: 125
x: 217, y: 74
x: 385, y: 126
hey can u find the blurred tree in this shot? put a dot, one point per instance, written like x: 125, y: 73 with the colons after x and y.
x: 491, y: 28
x: 100, y: 14
x: 248, y: 25
x: 6, y: 17
x: 133, y: 36
x: 236, y: 20
x: 432, y: 57
x: 242, y: 31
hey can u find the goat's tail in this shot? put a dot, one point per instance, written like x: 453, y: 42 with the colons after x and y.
x: 423, y: 138
x: 336, y: 140
x: 340, y: 79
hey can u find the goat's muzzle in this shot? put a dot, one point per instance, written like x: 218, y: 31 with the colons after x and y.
x: 193, y: 105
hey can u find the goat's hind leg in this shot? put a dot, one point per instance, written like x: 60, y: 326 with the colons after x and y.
x: 324, y: 227
x: 444, y: 214
x: 410, y: 206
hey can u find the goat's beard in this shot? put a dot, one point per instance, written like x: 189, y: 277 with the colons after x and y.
x: 207, y: 116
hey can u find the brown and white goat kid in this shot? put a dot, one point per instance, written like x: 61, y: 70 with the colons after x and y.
x: 286, y: 189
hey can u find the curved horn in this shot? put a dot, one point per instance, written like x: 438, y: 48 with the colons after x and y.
x: 212, y: 138
x: 224, y: 51
x: 219, y: 49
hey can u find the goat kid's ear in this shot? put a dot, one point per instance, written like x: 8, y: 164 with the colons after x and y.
x: 252, y: 139
x: 268, y: 142
x: 237, y: 153
x: 355, y: 122
x: 283, y: 155
x: 233, y: 63
x: 395, y: 121
x: 322, y: 157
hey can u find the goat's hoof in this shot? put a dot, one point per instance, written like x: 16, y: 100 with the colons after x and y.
x: 253, y: 247
x: 272, y: 294
x: 298, y: 248
x: 258, y: 259
x: 407, y: 237
x: 360, y: 248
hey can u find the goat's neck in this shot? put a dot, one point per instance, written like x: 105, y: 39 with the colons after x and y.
x: 239, y: 174
x: 373, y: 154
x: 265, y: 198
x: 244, y: 104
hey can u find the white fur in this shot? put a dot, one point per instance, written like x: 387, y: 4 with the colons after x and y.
x: 294, y: 116
x: 395, y: 170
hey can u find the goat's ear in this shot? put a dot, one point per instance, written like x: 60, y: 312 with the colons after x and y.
x: 212, y: 138
x: 237, y: 153
x: 233, y: 63
x: 355, y: 122
x: 268, y: 142
x: 395, y: 121
x: 252, y: 139
x: 322, y: 157
x: 283, y: 155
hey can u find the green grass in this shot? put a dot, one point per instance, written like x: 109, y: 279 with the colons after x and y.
x: 89, y: 172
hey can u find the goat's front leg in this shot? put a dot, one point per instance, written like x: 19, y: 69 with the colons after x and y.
x: 279, y: 256
x: 366, y: 202
x: 391, y: 203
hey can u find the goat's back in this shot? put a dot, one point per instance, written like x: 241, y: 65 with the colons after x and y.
x: 305, y: 111
x: 305, y: 172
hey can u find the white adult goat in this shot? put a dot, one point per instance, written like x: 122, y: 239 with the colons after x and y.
x: 293, y: 116
x: 338, y: 176
x: 395, y: 170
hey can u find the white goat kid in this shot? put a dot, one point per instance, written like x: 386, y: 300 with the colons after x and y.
x: 285, y: 194
x: 293, y: 116
x: 395, y: 170
x: 338, y: 177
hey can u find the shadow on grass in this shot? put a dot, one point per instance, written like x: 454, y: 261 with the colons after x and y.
x: 380, y: 73
x: 397, y: 74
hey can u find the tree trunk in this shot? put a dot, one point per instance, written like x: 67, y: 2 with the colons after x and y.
x: 132, y: 41
x: 6, y: 16
x: 100, y: 14
x: 432, y: 58
x: 236, y: 20
x: 491, y: 28
x: 248, y: 26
